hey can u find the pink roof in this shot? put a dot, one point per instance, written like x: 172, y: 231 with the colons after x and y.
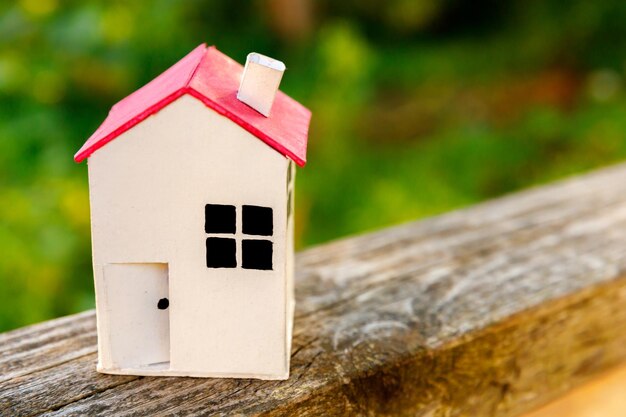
x: 212, y: 78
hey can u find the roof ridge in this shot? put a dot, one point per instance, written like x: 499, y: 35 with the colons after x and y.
x: 193, y: 73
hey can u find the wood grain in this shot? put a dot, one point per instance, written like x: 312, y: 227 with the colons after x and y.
x: 491, y: 310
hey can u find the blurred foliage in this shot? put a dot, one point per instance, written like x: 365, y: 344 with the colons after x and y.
x: 420, y: 106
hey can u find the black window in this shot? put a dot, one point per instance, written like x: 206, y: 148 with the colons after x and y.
x: 221, y: 253
x: 257, y: 221
x: 220, y: 218
x: 256, y: 254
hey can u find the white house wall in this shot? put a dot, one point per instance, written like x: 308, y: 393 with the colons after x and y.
x: 148, y: 191
x: 290, y: 253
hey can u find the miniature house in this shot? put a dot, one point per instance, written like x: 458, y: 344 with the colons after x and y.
x: 191, y: 190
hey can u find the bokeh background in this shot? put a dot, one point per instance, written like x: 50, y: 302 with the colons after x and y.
x: 420, y: 106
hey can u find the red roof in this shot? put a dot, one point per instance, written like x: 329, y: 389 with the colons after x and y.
x: 212, y: 78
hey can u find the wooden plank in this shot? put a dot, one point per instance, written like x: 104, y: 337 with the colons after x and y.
x: 491, y: 310
x: 45, y: 345
x: 49, y: 388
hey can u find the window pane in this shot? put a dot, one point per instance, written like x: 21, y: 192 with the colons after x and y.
x: 257, y: 254
x: 258, y: 221
x: 220, y: 253
x: 219, y: 218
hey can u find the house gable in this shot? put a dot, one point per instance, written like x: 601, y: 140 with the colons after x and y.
x: 149, y: 207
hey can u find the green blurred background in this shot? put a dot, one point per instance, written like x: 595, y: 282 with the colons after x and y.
x: 420, y: 106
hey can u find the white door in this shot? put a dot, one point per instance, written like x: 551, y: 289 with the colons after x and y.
x: 137, y: 305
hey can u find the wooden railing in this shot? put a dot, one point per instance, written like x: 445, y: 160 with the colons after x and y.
x: 490, y: 310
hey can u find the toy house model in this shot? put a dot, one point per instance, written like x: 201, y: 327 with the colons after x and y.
x: 191, y: 189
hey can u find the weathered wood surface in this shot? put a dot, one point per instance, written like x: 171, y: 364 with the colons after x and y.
x: 491, y: 310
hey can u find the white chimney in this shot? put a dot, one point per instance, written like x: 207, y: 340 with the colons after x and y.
x: 259, y: 82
